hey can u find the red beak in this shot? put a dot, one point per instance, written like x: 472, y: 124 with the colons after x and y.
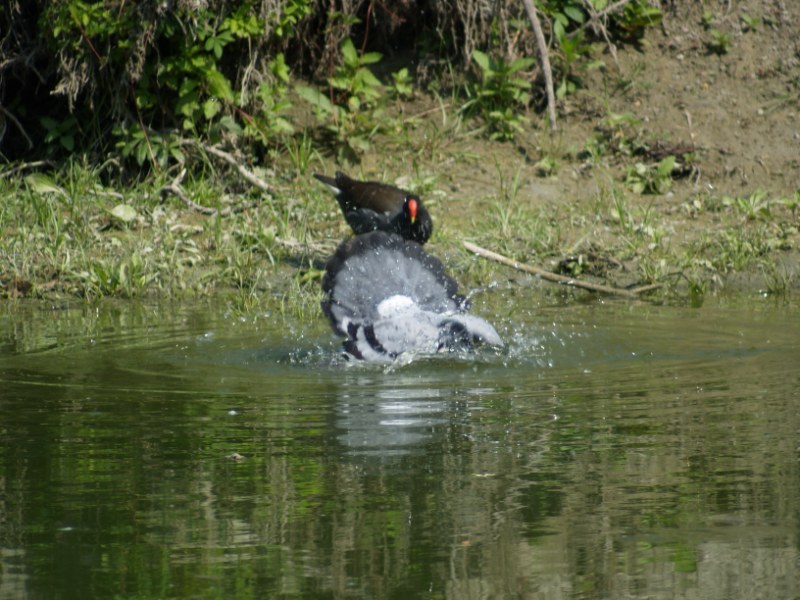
x: 412, y: 209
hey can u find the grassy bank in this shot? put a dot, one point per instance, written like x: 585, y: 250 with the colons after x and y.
x: 674, y: 162
x: 68, y: 233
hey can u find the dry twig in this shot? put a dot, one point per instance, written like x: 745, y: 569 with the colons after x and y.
x: 541, y: 44
x: 175, y: 188
x: 27, y: 166
x: 16, y: 122
x: 243, y: 171
x: 547, y: 275
x: 594, y: 21
x: 608, y: 10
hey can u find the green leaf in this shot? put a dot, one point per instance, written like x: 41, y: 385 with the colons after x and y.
x: 187, y: 104
x: 43, y: 184
x: 666, y: 166
x: 574, y: 13
x: 315, y: 98
x: 520, y: 64
x: 482, y: 59
x: 177, y: 154
x: 210, y: 108
x: 349, y: 54
x: 281, y: 125
x: 353, y: 104
x: 339, y: 83
x: 141, y: 153
x: 218, y: 85
x: 368, y: 79
x: 559, y: 28
x: 279, y: 68
x: 371, y: 58
x: 561, y: 91
x: 187, y: 86
x: 231, y: 125
x: 124, y: 212
x: 49, y: 123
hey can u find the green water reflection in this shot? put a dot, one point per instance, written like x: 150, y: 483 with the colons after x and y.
x: 615, y: 451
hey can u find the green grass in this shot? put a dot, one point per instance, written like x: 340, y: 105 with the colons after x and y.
x: 78, y: 232
x: 61, y: 236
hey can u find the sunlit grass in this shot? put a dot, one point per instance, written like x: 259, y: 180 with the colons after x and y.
x: 77, y: 232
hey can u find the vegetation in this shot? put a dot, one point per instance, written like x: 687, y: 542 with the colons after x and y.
x: 171, y: 152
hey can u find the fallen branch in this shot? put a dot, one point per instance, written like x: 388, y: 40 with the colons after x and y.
x: 26, y: 166
x: 547, y: 275
x: 16, y: 122
x: 645, y: 288
x: 541, y: 44
x: 175, y: 188
x: 243, y: 171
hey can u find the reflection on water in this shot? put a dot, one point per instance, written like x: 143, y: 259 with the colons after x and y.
x: 614, y: 450
x: 385, y: 423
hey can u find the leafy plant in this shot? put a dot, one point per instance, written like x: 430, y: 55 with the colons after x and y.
x: 750, y: 23
x: 402, y: 84
x: 124, y: 276
x: 350, y: 133
x: 752, y: 207
x: 353, y: 114
x: 269, y: 122
x: 620, y: 212
x: 651, y: 179
x: 290, y: 14
x: 720, y: 42
x: 572, y: 49
x: 301, y: 152
x: 147, y: 146
x: 792, y: 203
x: 617, y: 135
x: 565, y: 13
x: 635, y: 18
x: 500, y: 96
x: 169, y: 72
x: 60, y: 133
x: 193, y: 75
x: 546, y: 166
x: 354, y: 78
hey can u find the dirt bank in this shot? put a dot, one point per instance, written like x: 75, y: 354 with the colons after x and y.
x: 721, y: 92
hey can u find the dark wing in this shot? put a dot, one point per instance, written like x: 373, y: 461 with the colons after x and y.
x: 372, y: 267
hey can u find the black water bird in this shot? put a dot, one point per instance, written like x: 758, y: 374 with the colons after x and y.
x: 374, y: 206
x: 388, y: 297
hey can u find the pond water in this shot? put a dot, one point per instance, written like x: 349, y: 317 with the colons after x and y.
x: 615, y: 450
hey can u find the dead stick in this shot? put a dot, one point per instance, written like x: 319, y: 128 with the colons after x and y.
x: 645, y: 288
x: 601, y: 15
x: 14, y: 120
x: 547, y: 274
x: 25, y: 166
x: 243, y: 171
x: 175, y: 188
x: 548, y: 73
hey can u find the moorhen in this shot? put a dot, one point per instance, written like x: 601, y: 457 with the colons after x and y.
x: 374, y: 206
x: 387, y: 296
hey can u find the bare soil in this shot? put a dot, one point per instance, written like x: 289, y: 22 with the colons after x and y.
x: 737, y: 109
